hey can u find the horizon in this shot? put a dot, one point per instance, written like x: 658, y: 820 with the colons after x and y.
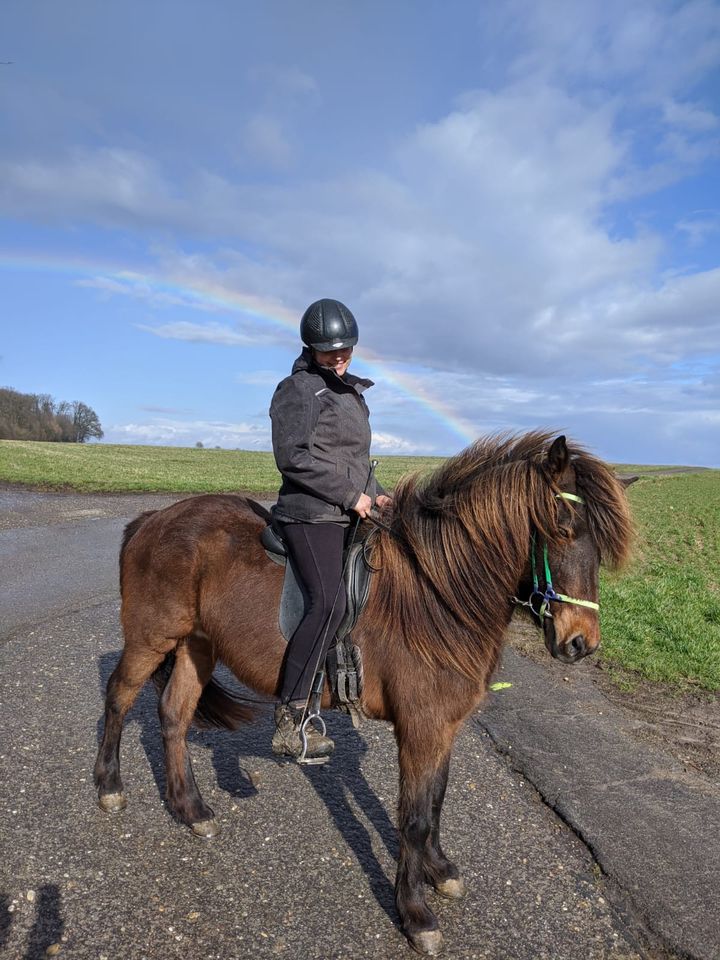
x: 379, y: 457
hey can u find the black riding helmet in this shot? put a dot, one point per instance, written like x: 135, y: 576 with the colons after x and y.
x: 328, y: 325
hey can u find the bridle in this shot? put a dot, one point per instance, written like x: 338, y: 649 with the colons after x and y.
x: 543, y: 598
x: 540, y: 599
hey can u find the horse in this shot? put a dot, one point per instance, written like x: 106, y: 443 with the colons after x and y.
x: 456, y: 550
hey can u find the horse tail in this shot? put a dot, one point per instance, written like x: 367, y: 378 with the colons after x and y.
x: 129, y: 532
x: 218, y: 708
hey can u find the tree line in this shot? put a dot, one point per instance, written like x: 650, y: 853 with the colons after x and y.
x: 36, y: 416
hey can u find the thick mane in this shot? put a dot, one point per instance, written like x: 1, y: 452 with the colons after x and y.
x: 463, y: 536
x: 608, y: 511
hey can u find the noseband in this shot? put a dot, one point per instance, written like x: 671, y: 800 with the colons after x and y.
x: 542, y: 598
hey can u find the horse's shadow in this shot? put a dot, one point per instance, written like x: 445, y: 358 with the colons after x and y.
x: 6, y: 919
x: 336, y: 783
x: 47, y: 927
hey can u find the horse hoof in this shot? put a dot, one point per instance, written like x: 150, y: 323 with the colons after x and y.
x: 428, y: 942
x: 453, y: 888
x: 207, y: 829
x: 112, y: 802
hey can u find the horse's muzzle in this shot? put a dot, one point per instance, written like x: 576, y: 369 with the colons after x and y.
x: 566, y: 651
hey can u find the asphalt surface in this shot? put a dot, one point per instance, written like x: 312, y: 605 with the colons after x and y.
x: 651, y: 824
x: 589, y: 865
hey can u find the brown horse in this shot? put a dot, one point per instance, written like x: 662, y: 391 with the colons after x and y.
x: 198, y: 588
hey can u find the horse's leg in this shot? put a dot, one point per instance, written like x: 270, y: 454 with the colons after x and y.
x: 423, y: 754
x: 193, y: 668
x: 439, y: 871
x: 127, y: 679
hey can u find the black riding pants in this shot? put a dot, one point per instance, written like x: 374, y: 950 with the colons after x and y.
x: 316, y: 551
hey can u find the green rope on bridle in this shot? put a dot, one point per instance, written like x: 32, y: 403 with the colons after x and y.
x: 549, y: 594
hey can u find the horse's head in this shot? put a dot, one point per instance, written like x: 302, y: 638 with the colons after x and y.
x: 461, y: 547
x: 562, y: 585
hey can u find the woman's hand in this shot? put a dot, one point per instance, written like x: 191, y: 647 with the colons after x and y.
x: 363, y: 506
x: 383, y: 501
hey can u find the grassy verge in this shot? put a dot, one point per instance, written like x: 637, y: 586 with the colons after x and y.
x: 660, y: 617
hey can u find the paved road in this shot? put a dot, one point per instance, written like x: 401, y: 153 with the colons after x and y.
x: 305, y: 865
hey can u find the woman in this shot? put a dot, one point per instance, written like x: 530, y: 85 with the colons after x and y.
x: 321, y: 441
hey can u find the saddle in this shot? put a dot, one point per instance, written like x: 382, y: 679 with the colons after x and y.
x: 343, y: 664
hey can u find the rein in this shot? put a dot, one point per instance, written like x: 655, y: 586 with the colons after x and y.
x: 544, y: 597
x: 381, y: 525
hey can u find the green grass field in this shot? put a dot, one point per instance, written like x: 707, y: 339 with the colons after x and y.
x: 108, y: 468
x: 660, y: 616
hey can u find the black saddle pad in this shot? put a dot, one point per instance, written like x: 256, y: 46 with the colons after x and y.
x: 293, y: 602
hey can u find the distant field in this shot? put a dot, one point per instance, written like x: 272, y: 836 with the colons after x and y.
x: 644, y: 469
x: 106, y: 468
x: 660, y: 617
x: 110, y: 468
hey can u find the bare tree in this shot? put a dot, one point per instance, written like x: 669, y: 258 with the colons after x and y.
x: 85, y: 423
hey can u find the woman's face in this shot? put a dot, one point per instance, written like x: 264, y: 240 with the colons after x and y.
x: 337, y: 360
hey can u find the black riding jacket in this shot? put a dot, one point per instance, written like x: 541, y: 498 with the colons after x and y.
x: 321, y: 441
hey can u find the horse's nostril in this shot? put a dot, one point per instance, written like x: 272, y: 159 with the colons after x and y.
x: 576, y: 647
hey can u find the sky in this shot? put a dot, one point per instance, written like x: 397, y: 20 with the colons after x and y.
x: 519, y: 201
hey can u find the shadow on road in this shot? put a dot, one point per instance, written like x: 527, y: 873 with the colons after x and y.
x: 339, y: 785
x: 336, y: 785
x: 47, y: 927
x: 5, y: 919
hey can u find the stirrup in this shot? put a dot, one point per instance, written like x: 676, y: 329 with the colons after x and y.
x: 303, y: 758
x: 313, y: 713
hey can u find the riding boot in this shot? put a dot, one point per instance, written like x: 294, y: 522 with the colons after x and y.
x: 287, y: 740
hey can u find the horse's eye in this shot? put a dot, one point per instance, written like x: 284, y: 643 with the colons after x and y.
x: 566, y: 533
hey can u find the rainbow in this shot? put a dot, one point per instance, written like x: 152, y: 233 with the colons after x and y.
x: 217, y: 297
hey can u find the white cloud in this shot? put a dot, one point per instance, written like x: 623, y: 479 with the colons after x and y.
x: 92, y: 182
x: 173, y: 432
x: 689, y: 116
x: 114, y: 187
x: 651, y: 49
x: 189, y: 432
x: 262, y: 378
x: 152, y: 292
x: 396, y: 445
x: 263, y: 139
x: 151, y: 408
x: 282, y: 82
x: 206, y: 333
x: 700, y: 226
x: 484, y: 249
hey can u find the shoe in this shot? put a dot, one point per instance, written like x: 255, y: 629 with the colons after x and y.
x: 287, y: 741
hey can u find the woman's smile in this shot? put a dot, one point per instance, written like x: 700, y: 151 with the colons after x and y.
x: 337, y: 360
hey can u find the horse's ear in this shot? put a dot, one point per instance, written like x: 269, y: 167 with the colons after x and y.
x: 626, y: 481
x: 558, y: 457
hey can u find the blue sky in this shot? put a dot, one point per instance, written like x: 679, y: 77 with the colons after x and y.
x: 519, y: 201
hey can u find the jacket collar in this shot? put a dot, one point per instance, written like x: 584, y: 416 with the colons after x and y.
x: 305, y: 362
